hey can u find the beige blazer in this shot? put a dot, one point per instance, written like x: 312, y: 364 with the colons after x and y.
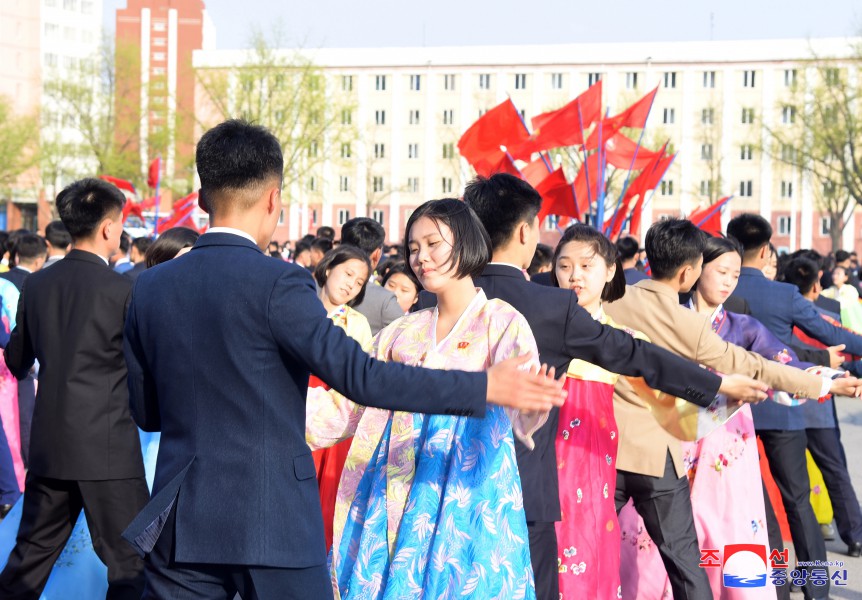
x: 653, y: 308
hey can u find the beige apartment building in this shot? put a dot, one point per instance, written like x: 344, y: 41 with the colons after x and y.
x: 409, y: 106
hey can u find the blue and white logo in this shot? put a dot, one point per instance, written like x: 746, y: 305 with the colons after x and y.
x: 744, y: 566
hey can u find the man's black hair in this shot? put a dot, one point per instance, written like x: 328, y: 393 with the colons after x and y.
x: 326, y: 232
x: 502, y: 202
x: 541, y: 258
x: 803, y: 273
x: 671, y: 244
x: 471, y: 247
x: 627, y: 248
x: 841, y: 256
x: 750, y: 230
x: 322, y: 244
x: 125, y: 242
x: 31, y: 247
x: 84, y: 204
x: 233, y: 156
x: 57, y: 235
x: 366, y: 234
x: 142, y: 244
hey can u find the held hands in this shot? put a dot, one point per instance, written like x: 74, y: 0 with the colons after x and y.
x: 835, y: 358
x: 535, y: 390
x: 742, y: 388
x: 846, y: 386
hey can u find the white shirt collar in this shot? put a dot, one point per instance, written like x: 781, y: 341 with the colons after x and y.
x: 238, y: 232
x: 505, y: 264
x: 25, y: 269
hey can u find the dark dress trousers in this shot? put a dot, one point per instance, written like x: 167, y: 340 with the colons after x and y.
x: 85, y: 451
x: 219, y: 344
x: 565, y: 331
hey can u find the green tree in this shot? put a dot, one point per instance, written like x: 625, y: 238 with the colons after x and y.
x: 18, y: 143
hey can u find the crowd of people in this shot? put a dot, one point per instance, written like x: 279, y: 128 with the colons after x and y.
x: 467, y: 414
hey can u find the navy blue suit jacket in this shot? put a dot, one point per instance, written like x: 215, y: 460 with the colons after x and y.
x: 219, y: 345
x: 565, y: 331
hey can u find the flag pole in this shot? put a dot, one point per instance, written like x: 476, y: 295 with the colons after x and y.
x: 718, y: 206
x: 158, y: 199
x: 586, y: 161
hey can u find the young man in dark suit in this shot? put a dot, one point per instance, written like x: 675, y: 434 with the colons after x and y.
x: 85, y: 451
x: 220, y: 343
x: 508, y: 208
x: 31, y: 251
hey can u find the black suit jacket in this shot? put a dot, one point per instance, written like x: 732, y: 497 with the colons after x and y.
x: 139, y: 268
x: 564, y: 331
x: 16, y: 275
x: 70, y: 318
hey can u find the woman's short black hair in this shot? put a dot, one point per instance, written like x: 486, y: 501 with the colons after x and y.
x: 339, y: 255
x: 471, y: 246
x: 169, y: 244
x: 603, y: 247
x: 403, y: 268
x: 84, y: 204
x: 716, y: 246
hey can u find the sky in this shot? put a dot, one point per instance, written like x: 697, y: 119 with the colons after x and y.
x: 392, y: 23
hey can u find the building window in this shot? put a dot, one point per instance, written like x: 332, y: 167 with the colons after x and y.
x: 414, y: 117
x: 788, y: 153
x: 158, y: 70
x: 788, y: 115
x: 413, y: 184
x: 831, y: 76
x: 412, y: 150
x: 312, y: 184
x: 484, y: 81
x: 556, y: 81
x: 449, y: 150
x: 787, y: 189
x: 380, y: 83
x: 825, y: 225
x: 829, y: 189
x: 380, y: 117
x: 159, y: 56
x: 51, y: 30
x: 347, y: 83
x: 789, y: 77
x: 707, y: 116
x: 344, y: 183
x: 747, y: 116
x: 448, y: 117
x: 160, y: 26
x: 520, y: 81
x: 631, y: 81
x: 345, y: 150
x: 51, y: 60
x: 313, y: 149
x: 87, y: 7
x: 346, y: 116
x: 669, y: 116
x: 449, y: 82
x: 343, y: 215
x: 379, y: 151
x: 377, y: 184
x: 748, y: 79
x: 745, y: 152
x: 281, y: 217
x: 160, y: 42
x: 70, y: 4
x: 667, y: 187
x: 709, y: 79
x: 670, y: 79
x: 593, y: 78
x: 706, y: 188
x: 784, y: 225
x: 745, y: 189
x: 706, y: 151
x: 415, y: 82
x: 551, y: 223
x: 447, y: 185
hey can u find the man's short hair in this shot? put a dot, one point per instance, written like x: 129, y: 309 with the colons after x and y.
x: 322, y: 244
x: 541, y: 258
x: 125, y: 242
x: 803, y: 273
x: 841, y: 256
x: 57, y: 235
x: 84, y: 204
x: 502, y: 202
x: 326, y: 232
x: 236, y: 156
x: 627, y: 248
x: 366, y: 234
x: 142, y: 244
x: 30, y: 247
x: 671, y: 244
x: 750, y: 230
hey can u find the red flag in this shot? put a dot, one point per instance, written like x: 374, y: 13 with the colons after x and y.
x: 558, y: 198
x: 564, y: 126
x: 181, y: 214
x: 634, y: 116
x: 649, y: 179
x: 153, y: 174
x: 709, y: 218
x: 536, y: 171
x: 486, y: 168
x: 132, y: 208
x: 586, y: 194
x: 150, y: 202
x: 502, y: 125
x: 620, y: 151
x: 120, y: 183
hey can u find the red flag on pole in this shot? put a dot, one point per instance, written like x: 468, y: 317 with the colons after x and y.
x: 651, y: 175
x: 564, y: 126
x: 181, y: 214
x: 153, y: 173
x: 486, y: 168
x: 620, y: 151
x: 120, y: 183
x: 500, y: 126
x: 709, y: 218
x: 558, y: 198
x: 590, y: 172
x: 536, y: 171
x: 634, y: 116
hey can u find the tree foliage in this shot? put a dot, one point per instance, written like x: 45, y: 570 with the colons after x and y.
x: 18, y: 142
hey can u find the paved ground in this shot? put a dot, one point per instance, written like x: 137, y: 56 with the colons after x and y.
x: 850, y: 415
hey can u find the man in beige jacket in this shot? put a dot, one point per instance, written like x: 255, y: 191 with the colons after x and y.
x: 649, y: 462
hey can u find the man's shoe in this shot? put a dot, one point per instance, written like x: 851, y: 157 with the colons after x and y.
x: 827, y: 531
x: 5, y: 508
x: 854, y: 549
